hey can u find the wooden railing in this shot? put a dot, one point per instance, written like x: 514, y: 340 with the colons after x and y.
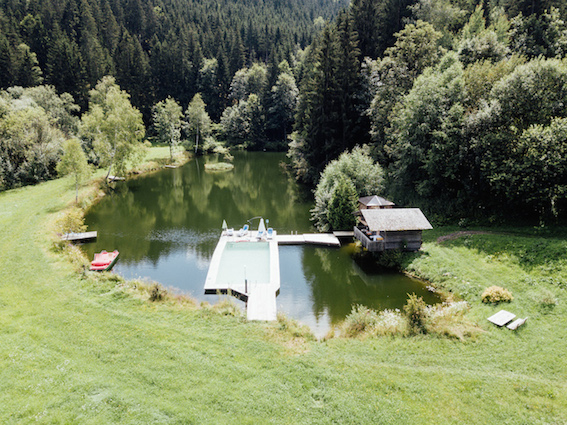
x: 368, y: 243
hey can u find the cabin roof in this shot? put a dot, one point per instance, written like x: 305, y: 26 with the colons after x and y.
x: 395, y: 219
x: 375, y: 201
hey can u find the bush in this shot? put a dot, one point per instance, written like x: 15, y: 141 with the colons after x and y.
x: 545, y: 299
x: 390, y: 323
x: 359, y: 320
x: 448, y: 319
x: 157, y: 293
x: 496, y: 294
x: 73, y: 220
x: 416, y: 312
x: 218, y: 166
x: 294, y: 328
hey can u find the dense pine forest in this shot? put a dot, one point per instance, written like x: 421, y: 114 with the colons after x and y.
x: 154, y: 48
x: 460, y: 102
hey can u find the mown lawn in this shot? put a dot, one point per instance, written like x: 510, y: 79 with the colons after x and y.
x: 76, y: 350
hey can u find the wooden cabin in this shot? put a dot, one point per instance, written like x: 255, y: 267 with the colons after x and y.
x: 374, y: 202
x: 391, y: 228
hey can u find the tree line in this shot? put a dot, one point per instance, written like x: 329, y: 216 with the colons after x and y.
x: 460, y: 104
x: 464, y: 111
x: 154, y: 48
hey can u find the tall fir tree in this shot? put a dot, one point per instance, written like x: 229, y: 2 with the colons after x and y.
x: 365, y: 15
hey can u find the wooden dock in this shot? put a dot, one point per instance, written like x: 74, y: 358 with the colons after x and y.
x: 79, y: 237
x: 261, y: 304
x: 326, y: 239
x: 344, y: 233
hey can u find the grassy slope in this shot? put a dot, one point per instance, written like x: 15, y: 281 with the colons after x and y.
x: 74, y: 352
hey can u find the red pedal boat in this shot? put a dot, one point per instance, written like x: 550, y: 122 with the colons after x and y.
x: 104, y: 261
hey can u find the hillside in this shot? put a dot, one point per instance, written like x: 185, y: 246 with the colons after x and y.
x: 77, y: 349
x: 155, y: 48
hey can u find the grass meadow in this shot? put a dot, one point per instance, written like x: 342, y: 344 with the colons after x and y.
x: 84, y: 349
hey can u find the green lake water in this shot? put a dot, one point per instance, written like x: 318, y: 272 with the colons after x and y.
x: 166, y: 226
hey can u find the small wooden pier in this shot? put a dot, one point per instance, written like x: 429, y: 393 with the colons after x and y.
x: 79, y: 237
x: 326, y: 239
x: 261, y: 303
x: 344, y: 233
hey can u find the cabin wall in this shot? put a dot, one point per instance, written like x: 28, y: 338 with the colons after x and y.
x: 408, y: 240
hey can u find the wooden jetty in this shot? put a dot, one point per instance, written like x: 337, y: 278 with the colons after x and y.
x: 326, y: 239
x: 116, y: 179
x: 344, y: 233
x: 79, y: 237
x: 261, y: 303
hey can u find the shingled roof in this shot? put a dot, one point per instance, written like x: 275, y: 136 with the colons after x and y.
x: 395, y: 219
x: 375, y: 201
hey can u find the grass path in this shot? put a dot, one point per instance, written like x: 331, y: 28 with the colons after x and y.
x: 75, y: 351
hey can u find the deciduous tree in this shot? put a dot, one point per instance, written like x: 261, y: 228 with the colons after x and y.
x: 74, y: 163
x: 198, y: 122
x: 114, y: 126
x: 167, y: 123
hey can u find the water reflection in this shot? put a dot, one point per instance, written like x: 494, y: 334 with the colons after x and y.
x: 166, y: 226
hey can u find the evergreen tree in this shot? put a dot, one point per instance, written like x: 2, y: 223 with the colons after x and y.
x: 109, y: 28
x: 351, y: 127
x: 237, y: 53
x: 317, y: 139
x: 209, y: 86
x: 342, y: 205
x: 6, y: 63
x: 65, y: 68
x: 28, y: 73
x: 365, y: 15
x: 132, y: 70
x: 97, y: 59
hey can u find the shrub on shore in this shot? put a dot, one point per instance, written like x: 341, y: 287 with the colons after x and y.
x: 495, y: 295
x: 447, y: 319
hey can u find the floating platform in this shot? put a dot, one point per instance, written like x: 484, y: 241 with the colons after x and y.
x: 79, y: 237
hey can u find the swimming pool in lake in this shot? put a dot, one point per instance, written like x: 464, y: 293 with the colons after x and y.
x: 244, y: 260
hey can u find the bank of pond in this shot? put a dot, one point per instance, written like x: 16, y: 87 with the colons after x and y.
x: 167, y: 224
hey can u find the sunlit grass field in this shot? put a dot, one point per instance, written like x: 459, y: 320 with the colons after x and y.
x: 74, y: 349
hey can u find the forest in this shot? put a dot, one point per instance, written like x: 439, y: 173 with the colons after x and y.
x: 460, y: 104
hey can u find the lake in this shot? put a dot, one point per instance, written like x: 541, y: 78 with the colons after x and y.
x: 166, y: 226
